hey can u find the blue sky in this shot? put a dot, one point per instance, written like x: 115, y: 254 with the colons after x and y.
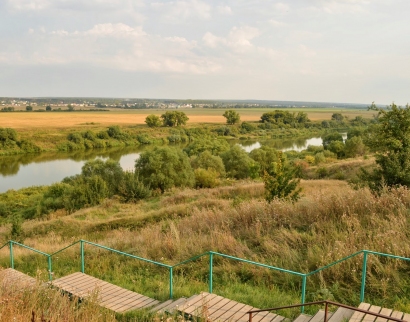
x: 310, y: 50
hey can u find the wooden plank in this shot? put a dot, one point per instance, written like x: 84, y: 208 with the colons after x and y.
x: 406, y: 317
x: 341, y: 314
x: 241, y: 313
x: 206, y: 309
x: 197, y: 304
x: 227, y: 315
x: 263, y: 316
x: 372, y: 318
x: 12, y: 278
x: 384, y: 311
x: 397, y: 315
x: 219, y: 307
x: 358, y: 316
x: 129, y: 299
x: 110, y: 296
x: 303, y: 318
x: 226, y: 308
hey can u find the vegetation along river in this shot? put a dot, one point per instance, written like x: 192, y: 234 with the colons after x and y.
x: 19, y: 171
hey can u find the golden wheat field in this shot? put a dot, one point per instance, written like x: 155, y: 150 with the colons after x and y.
x: 32, y: 120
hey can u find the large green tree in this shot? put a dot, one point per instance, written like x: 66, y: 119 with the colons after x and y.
x: 164, y: 167
x: 232, y: 117
x: 174, y: 118
x: 389, y: 138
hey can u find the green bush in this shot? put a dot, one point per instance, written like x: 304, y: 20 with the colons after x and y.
x: 238, y: 164
x: 164, y: 167
x: 206, y: 178
x: 132, y: 189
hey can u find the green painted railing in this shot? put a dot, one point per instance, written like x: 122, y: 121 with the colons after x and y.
x: 211, y: 255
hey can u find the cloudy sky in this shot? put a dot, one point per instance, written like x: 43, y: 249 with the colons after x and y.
x: 305, y: 50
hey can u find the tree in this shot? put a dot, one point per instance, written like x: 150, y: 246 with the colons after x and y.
x: 175, y: 118
x: 70, y: 107
x: 389, y: 138
x: 164, y: 167
x: 330, y: 137
x: 29, y: 108
x: 48, y: 108
x: 232, y: 117
x: 238, y: 164
x: 337, y: 117
x: 280, y: 181
x: 153, y: 120
x: 207, y: 161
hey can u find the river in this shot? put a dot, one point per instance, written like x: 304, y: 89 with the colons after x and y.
x: 19, y: 171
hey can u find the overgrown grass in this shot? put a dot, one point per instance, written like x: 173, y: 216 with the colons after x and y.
x: 330, y: 222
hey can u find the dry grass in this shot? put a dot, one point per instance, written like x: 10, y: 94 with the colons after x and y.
x: 330, y: 222
x: 53, y: 120
x: 40, y: 303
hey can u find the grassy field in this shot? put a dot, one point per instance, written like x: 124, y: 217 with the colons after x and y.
x: 324, y: 226
x: 44, y: 120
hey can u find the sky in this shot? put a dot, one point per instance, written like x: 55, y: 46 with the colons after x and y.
x: 353, y: 51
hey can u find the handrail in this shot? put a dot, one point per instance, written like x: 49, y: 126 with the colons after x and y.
x: 62, y: 249
x: 126, y: 254
x: 334, y: 263
x: 327, y: 303
x: 211, y: 254
x: 259, y: 264
x: 4, y: 245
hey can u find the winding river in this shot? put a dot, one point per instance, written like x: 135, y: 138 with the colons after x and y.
x: 19, y: 171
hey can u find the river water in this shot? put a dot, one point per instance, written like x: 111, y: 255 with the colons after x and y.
x: 21, y: 171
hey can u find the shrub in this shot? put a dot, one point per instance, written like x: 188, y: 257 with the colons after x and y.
x: 131, y: 189
x: 153, y: 120
x: 206, y: 160
x: 238, y: 164
x: 164, y: 167
x: 206, y: 178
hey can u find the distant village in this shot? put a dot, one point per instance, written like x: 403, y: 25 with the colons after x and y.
x: 99, y: 104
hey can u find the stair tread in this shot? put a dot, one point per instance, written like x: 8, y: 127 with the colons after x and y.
x: 341, y: 314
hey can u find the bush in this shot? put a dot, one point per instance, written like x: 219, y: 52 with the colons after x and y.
x: 153, y: 120
x: 238, y: 164
x: 164, y: 167
x: 206, y: 160
x: 131, y: 189
x: 206, y: 178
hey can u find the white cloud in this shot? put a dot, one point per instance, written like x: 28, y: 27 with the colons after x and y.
x: 28, y: 4
x: 183, y: 9
x: 281, y: 7
x: 224, y: 10
x: 276, y: 23
x: 238, y: 38
x: 343, y: 6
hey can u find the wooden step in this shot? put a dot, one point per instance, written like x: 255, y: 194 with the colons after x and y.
x: 302, y: 318
x: 107, y: 295
x: 341, y: 314
x: 217, y: 308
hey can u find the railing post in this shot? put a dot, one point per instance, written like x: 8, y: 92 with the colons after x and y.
x: 82, y: 255
x: 250, y: 316
x: 304, y: 278
x: 50, y: 269
x: 170, y: 283
x: 211, y: 265
x: 325, y: 312
x: 364, y: 272
x: 11, y: 255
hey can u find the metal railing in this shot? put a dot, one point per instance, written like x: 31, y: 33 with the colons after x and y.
x: 211, y: 254
x: 327, y: 303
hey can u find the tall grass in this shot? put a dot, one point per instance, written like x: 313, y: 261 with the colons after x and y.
x: 330, y: 222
